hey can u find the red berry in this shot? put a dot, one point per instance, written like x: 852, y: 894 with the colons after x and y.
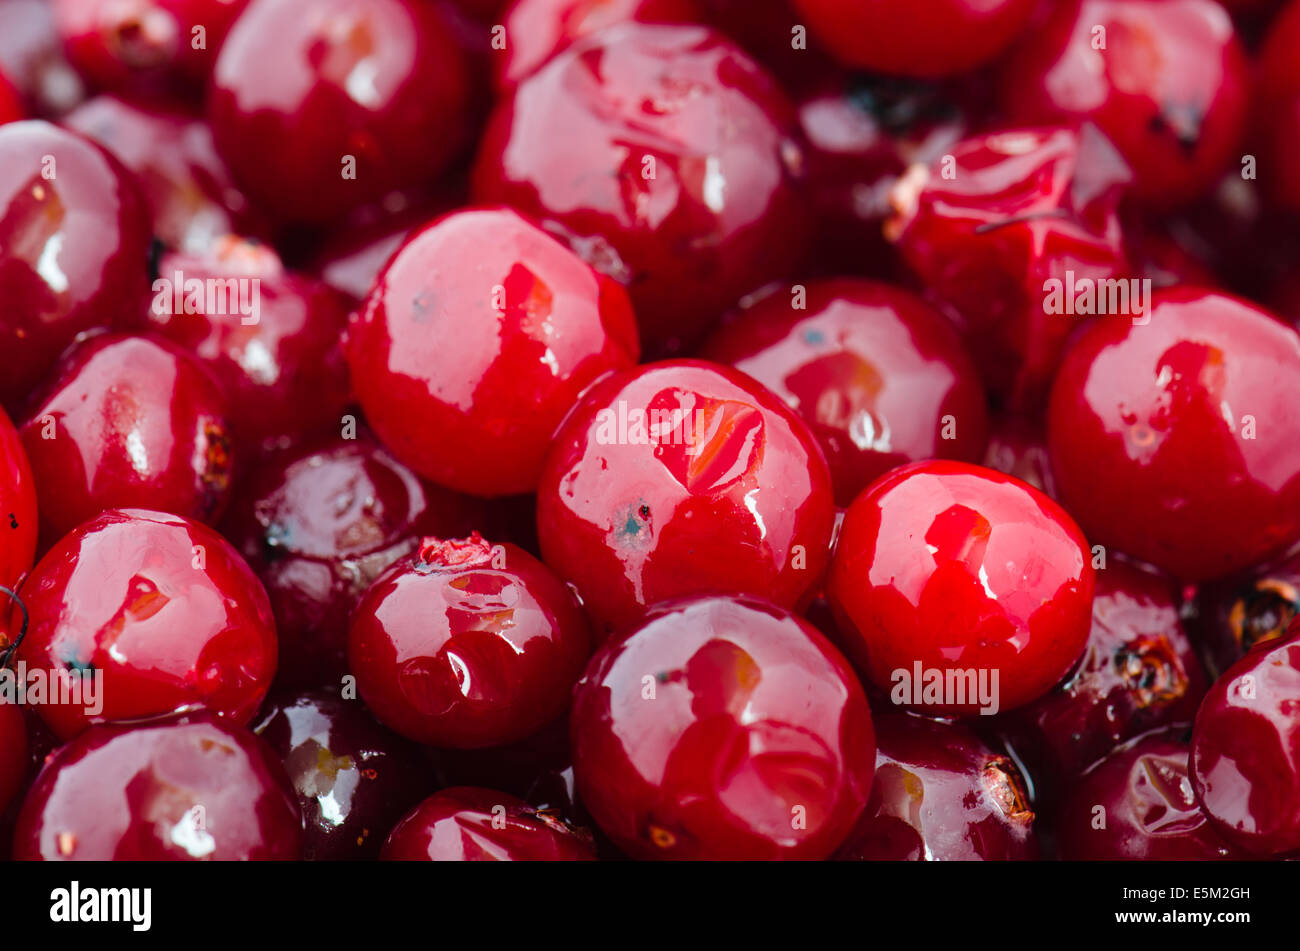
x: 1239, y: 612
x: 13, y: 750
x: 11, y: 106
x: 1276, y: 125
x: 18, y: 523
x: 1018, y: 447
x: 33, y: 59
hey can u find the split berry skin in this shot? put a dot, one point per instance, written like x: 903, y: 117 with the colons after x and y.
x: 18, y: 520
x: 66, y: 193
x: 1170, y: 87
x: 478, y: 337
x: 163, y: 607
x: 722, y: 728
x: 954, y: 567
x: 470, y: 824
x: 13, y: 752
x: 1177, y: 441
x: 465, y: 644
x: 319, y: 106
x: 879, y: 375
x: 905, y: 38
x: 121, y: 793
x: 668, y: 158
x: 128, y: 422
x: 684, y: 477
x: 940, y: 794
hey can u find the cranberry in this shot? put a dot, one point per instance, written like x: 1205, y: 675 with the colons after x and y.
x: 1276, y: 126
x: 1178, y: 441
x: 880, y: 377
x: 160, y: 606
x: 321, y: 105
x: 32, y: 56
x: 128, y: 422
x: 194, y: 789
x: 13, y: 751
x: 1239, y: 612
x: 940, y: 794
x: 1137, y: 805
x: 468, y: 824
x: 956, y: 575
x: 1018, y: 447
x: 680, y: 478
x: 935, y: 38
x: 74, y: 240
x: 11, y: 107
x: 1245, y: 761
x: 353, y: 778
x: 987, y: 227
x: 18, y: 522
x: 467, y: 644
x: 1167, y: 82
x: 667, y: 155
x: 477, y: 338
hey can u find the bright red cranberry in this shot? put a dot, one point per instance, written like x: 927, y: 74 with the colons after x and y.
x: 1018, y: 447
x: 353, y: 778
x: 879, y: 376
x: 74, y: 245
x: 320, y: 105
x: 128, y: 422
x: 961, y: 589
x: 467, y: 644
x: 152, y: 613
x: 11, y: 106
x: 1168, y: 82
x: 682, y: 478
x: 319, y: 524
x: 1276, y: 125
x: 198, y: 789
x: 1245, y: 762
x: 32, y: 57
x: 469, y: 824
x: 667, y: 157
x: 935, y: 38
x: 476, y: 340
x: 989, y: 227
x: 1239, y: 612
x: 1137, y: 805
x: 941, y: 794
x: 13, y: 751
x: 1177, y: 440
x: 18, y: 522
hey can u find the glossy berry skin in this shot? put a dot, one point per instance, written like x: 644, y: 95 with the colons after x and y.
x: 13, y: 752
x: 757, y: 742
x: 92, y: 213
x: 879, y: 376
x: 940, y: 794
x: 1015, y: 209
x: 669, y: 160
x: 1276, y: 112
x: 353, y: 778
x: 1245, y: 761
x: 1236, y: 613
x: 956, y: 567
x: 128, y: 422
x: 122, y: 595
x: 18, y: 524
x: 936, y: 38
x: 1150, y: 811
x: 320, y: 523
x: 1170, y: 88
x: 118, y: 793
x: 470, y: 824
x: 476, y: 340
x: 11, y: 106
x: 465, y: 644
x: 1178, y: 441
x: 679, y: 478
x: 300, y: 85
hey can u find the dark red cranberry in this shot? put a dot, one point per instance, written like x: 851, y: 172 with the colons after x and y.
x: 941, y: 794
x: 679, y: 478
x: 667, y: 157
x: 1239, y: 612
x: 467, y: 644
x: 13, y: 751
x: 1177, y: 439
x: 18, y: 522
x: 32, y: 57
x: 960, y: 590
x: 767, y: 32
x: 477, y: 339
x: 1018, y: 447
x: 128, y: 422
x: 469, y: 824
x: 987, y: 227
x: 1167, y: 82
x: 198, y: 789
x: 353, y: 778
x: 1276, y: 125
x: 321, y: 105
x: 152, y: 613
x: 74, y: 242
x: 879, y: 376
x: 11, y: 106
x: 319, y: 524
x: 1137, y: 805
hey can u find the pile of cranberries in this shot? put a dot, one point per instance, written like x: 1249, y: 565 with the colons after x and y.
x: 650, y: 429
